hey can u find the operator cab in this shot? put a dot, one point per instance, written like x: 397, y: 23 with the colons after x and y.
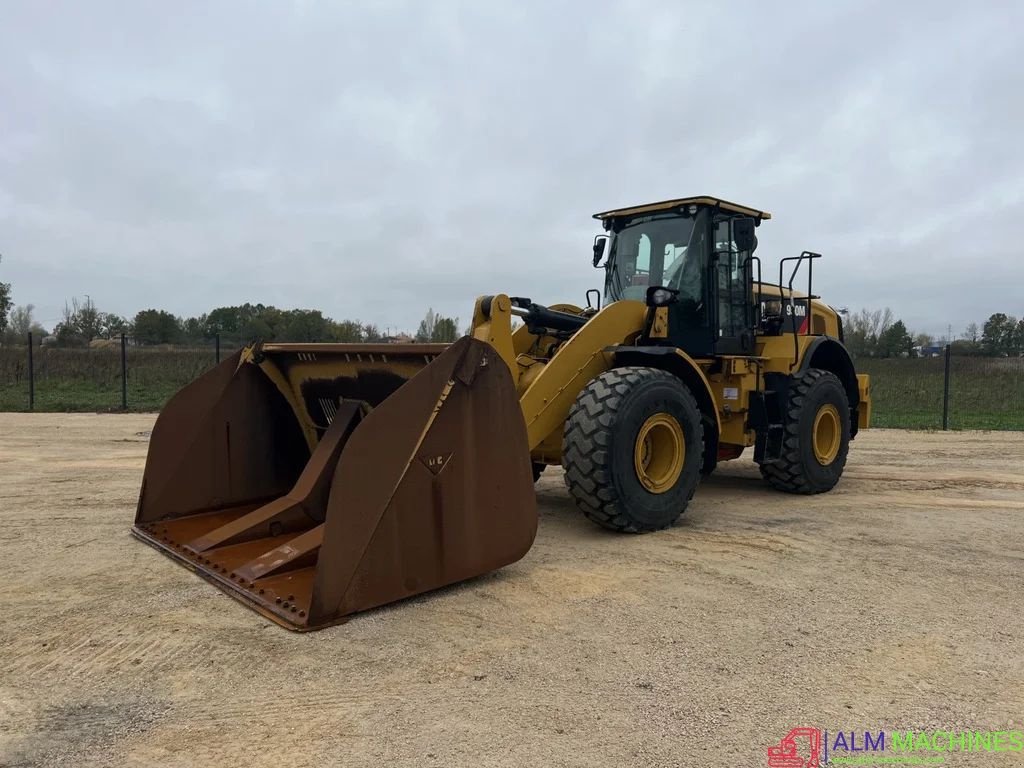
x: 693, y: 256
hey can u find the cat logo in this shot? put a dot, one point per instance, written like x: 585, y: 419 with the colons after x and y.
x: 436, y: 462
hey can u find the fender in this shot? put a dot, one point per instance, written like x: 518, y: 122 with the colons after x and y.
x: 830, y: 354
x: 676, y: 361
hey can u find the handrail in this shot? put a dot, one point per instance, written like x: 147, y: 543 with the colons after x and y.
x: 810, y: 257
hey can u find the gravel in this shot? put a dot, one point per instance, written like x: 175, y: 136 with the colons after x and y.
x: 892, y: 602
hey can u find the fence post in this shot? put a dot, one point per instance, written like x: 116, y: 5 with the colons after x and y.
x: 31, y: 376
x: 124, y: 372
x: 216, y: 346
x: 945, y: 390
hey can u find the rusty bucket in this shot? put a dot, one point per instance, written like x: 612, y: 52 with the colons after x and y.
x: 314, y: 481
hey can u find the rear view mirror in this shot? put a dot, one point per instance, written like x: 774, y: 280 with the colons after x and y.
x: 602, y: 245
x: 743, y: 233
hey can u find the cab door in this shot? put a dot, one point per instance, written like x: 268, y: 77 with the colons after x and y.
x: 732, y: 289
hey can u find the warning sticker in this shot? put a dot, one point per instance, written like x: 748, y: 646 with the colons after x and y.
x: 731, y: 393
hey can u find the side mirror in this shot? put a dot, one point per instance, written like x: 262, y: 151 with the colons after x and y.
x: 743, y: 233
x: 602, y: 245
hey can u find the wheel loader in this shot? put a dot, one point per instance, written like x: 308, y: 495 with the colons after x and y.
x: 313, y: 481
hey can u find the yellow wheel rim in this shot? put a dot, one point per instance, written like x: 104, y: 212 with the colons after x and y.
x: 659, y: 453
x: 827, y: 434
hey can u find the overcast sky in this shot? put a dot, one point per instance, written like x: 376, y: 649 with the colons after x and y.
x: 372, y: 159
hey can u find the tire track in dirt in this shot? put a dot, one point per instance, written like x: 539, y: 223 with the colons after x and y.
x: 272, y: 708
x: 980, y: 479
x: 931, y: 501
x: 97, y: 653
x: 279, y: 706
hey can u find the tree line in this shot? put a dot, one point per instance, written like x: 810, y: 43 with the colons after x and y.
x: 82, y: 323
x: 876, y: 333
x: 868, y: 333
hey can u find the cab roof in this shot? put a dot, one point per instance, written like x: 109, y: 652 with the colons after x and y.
x: 665, y: 205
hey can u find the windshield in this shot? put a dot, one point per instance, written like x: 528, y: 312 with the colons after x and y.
x: 659, y: 250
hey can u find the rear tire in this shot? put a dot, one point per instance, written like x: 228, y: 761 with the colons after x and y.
x: 817, y: 435
x: 632, y: 449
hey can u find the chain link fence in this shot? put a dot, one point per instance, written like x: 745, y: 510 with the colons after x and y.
x: 946, y: 392
x: 113, y: 376
x: 912, y: 393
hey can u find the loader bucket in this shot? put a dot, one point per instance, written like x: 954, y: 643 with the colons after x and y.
x: 314, y: 481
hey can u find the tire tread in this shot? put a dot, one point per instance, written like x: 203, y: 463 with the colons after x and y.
x: 788, y: 472
x: 584, y: 452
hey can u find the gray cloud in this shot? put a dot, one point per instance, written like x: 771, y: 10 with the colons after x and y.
x: 374, y: 159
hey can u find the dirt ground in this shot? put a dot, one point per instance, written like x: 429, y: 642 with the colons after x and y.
x: 892, y: 602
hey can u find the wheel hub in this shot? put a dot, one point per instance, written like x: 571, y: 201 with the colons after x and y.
x: 659, y: 453
x: 827, y: 434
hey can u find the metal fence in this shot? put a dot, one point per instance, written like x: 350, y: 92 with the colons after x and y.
x: 920, y: 393
x: 946, y: 392
x: 116, y: 375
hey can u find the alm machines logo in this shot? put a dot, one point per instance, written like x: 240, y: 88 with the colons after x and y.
x: 813, y: 747
x: 800, y: 748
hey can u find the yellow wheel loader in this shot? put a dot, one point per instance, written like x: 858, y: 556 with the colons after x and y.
x: 312, y: 481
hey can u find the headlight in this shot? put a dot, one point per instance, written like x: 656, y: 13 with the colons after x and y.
x: 659, y: 296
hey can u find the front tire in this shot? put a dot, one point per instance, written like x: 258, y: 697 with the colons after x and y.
x: 817, y: 435
x: 632, y: 449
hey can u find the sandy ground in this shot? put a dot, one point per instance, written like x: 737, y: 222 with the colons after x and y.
x: 893, y: 602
